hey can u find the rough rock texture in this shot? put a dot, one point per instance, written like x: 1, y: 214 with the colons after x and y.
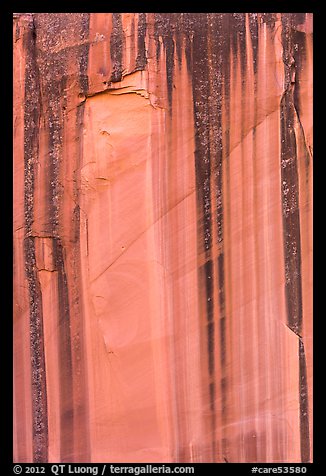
x: 162, y: 237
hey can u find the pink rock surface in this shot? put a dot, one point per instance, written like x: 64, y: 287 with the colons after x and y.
x: 162, y: 237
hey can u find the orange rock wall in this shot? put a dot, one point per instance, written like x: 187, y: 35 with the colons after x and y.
x: 162, y: 237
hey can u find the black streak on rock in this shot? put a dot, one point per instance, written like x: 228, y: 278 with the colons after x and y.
x: 215, y: 61
x: 202, y: 121
x: 116, y: 47
x: 54, y: 125
x: 253, y: 26
x: 238, y: 29
x: 208, y: 273
x: 83, y: 85
x: 304, y: 407
x: 65, y: 358
x: 290, y: 191
x: 188, y: 29
x: 31, y: 151
x: 164, y: 27
x: 299, y: 55
x: 169, y: 51
x: 220, y: 267
x: 217, y: 56
x: 225, y: 91
x: 39, y: 395
x: 291, y: 223
x: 269, y: 19
x: 141, y: 59
x: 178, y: 46
x: 237, y: 32
x: 298, y: 18
x: 83, y: 54
x: 200, y: 82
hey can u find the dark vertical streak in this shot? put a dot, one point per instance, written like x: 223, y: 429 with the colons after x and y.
x: 169, y: 51
x: 291, y: 221
x: 290, y: 192
x: 157, y: 22
x: 237, y: 32
x: 220, y: 268
x: 39, y: 395
x: 188, y: 20
x: 269, y: 19
x: 116, y: 47
x: 164, y: 27
x: 65, y: 357
x: 298, y: 18
x: 216, y: 145
x: 291, y: 225
x: 212, y: 396
x: 179, y: 37
x: 200, y: 83
x: 208, y: 275
x: 238, y: 29
x: 253, y: 26
x: 132, y: 34
x: 52, y: 90
x: 217, y: 56
x: 299, y: 56
x: 83, y: 54
x: 202, y: 121
x: 304, y: 407
x: 31, y: 151
x: 224, y: 92
x: 141, y: 59
x: 178, y: 46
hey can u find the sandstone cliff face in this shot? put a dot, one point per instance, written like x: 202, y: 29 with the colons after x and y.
x: 162, y: 237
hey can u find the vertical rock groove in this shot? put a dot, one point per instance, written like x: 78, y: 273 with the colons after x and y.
x: 31, y: 148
